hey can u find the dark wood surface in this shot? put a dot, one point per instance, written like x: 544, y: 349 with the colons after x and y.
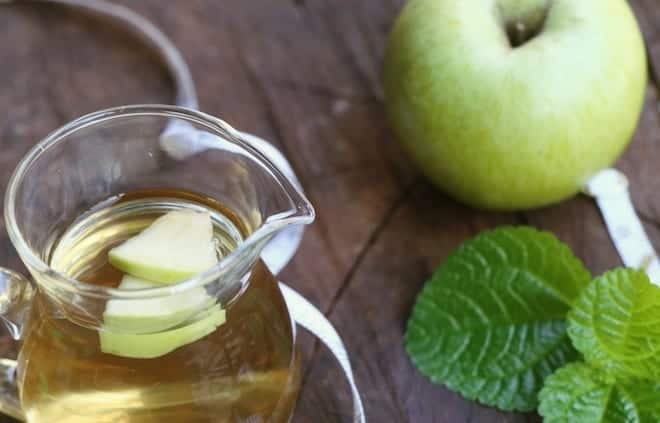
x: 304, y: 74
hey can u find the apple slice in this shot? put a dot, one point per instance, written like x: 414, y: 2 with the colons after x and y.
x: 176, y: 246
x: 152, y: 345
x: 153, y: 314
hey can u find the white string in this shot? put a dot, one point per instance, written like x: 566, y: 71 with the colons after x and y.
x: 609, y: 188
x: 308, y: 316
x: 186, y: 95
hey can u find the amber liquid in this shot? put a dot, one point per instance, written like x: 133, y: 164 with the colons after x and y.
x: 245, y: 371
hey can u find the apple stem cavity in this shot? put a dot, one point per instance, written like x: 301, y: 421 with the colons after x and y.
x: 519, y: 33
x: 524, y: 21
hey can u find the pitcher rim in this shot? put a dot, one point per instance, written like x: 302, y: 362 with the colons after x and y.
x: 302, y: 211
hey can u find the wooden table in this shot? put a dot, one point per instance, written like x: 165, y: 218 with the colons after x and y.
x: 304, y: 74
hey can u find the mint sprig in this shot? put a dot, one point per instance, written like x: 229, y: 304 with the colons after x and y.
x: 490, y: 323
x: 579, y: 393
x: 615, y: 324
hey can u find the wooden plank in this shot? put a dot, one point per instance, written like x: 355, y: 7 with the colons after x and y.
x: 305, y: 75
x: 311, y: 111
x: 374, y: 308
x: 353, y: 185
x: 640, y: 161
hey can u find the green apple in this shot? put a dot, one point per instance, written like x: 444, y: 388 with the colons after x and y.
x: 148, y: 315
x: 514, y: 104
x: 152, y: 345
x: 176, y: 246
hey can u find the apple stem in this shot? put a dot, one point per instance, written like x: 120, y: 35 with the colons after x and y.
x: 520, y: 33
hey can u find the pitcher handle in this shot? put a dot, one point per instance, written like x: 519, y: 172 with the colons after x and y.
x: 16, y: 293
x: 309, y: 317
x: 10, y: 403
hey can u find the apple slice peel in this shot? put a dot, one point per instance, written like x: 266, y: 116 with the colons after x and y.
x: 153, y: 345
x: 153, y: 314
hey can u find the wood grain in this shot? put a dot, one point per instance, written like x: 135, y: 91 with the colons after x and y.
x: 305, y: 75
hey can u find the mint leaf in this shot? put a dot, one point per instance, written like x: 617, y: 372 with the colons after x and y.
x: 615, y: 324
x: 490, y: 323
x: 578, y: 393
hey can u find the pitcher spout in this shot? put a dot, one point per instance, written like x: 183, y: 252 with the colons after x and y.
x: 268, y: 196
x: 281, y: 232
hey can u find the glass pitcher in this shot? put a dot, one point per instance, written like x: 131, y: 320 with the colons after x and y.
x: 84, y: 189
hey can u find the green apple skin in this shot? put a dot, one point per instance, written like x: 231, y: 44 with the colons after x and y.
x: 148, y: 315
x: 152, y: 345
x: 510, y: 128
x: 161, y: 273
